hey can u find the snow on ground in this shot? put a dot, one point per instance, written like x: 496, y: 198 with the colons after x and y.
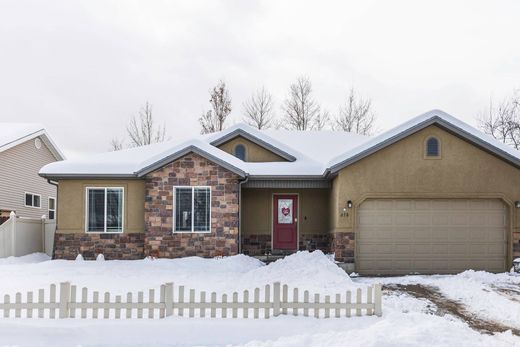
x: 406, y: 321
x: 491, y: 296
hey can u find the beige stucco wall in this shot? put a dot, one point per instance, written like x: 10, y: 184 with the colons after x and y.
x: 257, y: 210
x: 400, y: 170
x: 71, y: 204
x: 254, y: 152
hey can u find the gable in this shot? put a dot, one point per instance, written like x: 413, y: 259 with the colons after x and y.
x: 254, y: 152
x: 462, y: 166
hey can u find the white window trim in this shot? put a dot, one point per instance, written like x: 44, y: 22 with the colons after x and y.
x: 49, y: 207
x: 33, y: 194
x: 192, y: 212
x: 105, y: 217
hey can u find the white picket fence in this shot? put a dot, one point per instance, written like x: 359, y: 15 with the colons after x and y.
x: 22, y: 236
x: 110, y: 306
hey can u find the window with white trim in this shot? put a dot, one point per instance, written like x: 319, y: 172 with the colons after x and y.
x: 52, y: 208
x: 33, y: 200
x: 104, y: 210
x: 192, y: 209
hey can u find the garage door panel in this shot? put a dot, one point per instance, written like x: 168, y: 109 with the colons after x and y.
x: 400, y: 236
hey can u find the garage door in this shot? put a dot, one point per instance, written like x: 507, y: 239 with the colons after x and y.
x: 404, y: 236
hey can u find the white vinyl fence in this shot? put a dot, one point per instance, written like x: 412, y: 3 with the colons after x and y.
x: 84, y: 304
x: 22, y: 236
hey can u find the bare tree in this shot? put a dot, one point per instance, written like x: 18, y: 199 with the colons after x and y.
x: 322, y: 120
x: 503, y: 121
x: 220, y: 101
x: 356, y: 115
x: 258, y: 109
x: 300, y: 109
x: 142, y: 129
x: 116, y: 144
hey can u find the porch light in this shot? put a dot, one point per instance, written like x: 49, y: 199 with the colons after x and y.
x: 517, y: 204
x: 516, y: 265
x: 349, y: 204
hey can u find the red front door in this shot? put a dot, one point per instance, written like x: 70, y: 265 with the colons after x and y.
x: 285, y: 222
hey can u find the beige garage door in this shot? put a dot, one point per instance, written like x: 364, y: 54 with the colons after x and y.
x: 404, y: 236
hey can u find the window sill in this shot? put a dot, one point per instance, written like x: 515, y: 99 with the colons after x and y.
x: 191, y: 232
x: 103, y: 232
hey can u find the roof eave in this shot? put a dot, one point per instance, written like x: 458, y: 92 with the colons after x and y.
x: 417, y: 127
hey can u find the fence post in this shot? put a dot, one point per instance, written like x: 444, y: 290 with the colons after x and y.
x: 276, y: 299
x: 12, y: 216
x: 64, y: 299
x: 378, y: 310
x: 168, y: 299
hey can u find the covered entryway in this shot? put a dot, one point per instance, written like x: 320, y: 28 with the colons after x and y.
x: 402, y: 236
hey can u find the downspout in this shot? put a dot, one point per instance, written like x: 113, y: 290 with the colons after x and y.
x: 240, y: 183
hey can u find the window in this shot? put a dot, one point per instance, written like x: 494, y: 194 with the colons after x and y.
x: 52, y: 208
x: 192, y: 212
x: 104, y: 210
x: 433, y: 147
x: 240, y: 152
x: 33, y: 200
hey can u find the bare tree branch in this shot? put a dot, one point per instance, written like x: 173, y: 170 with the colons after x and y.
x: 116, y: 144
x: 214, y: 119
x: 356, y: 115
x: 142, y: 129
x: 503, y: 121
x: 258, y: 110
x: 300, y: 109
x: 322, y: 120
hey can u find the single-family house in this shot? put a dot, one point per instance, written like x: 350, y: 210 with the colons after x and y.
x: 24, y: 149
x: 432, y: 195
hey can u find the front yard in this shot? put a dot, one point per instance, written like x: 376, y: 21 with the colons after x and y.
x: 468, y: 309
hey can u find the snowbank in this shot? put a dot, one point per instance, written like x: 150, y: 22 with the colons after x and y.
x: 309, y: 270
x: 26, y: 259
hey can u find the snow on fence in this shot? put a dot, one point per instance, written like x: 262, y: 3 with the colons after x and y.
x: 22, y: 236
x: 69, y: 306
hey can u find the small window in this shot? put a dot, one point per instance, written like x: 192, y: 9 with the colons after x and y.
x: 52, y: 209
x: 104, y: 210
x: 433, y: 147
x: 33, y: 200
x: 192, y: 212
x: 240, y: 152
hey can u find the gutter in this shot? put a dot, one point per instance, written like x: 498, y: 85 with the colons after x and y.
x: 240, y: 183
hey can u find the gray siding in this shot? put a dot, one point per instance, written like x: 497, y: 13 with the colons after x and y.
x: 19, y: 167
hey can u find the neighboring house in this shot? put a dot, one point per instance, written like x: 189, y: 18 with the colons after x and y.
x: 24, y: 150
x: 433, y: 195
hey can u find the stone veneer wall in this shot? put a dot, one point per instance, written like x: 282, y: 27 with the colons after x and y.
x: 113, y: 246
x: 191, y: 170
x: 343, y: 246
x: 253, y: 244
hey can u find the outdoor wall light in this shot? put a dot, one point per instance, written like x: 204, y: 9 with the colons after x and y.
x: 517, y: 204
x: 349, y: 204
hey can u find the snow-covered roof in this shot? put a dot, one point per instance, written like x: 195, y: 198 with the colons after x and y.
x: 13, y: 134
x: 309, y: 154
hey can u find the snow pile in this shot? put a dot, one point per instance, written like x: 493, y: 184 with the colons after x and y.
x: 26, y: 259
x: 313, y: 271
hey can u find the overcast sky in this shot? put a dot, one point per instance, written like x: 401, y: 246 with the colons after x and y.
x: 83, y: 68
